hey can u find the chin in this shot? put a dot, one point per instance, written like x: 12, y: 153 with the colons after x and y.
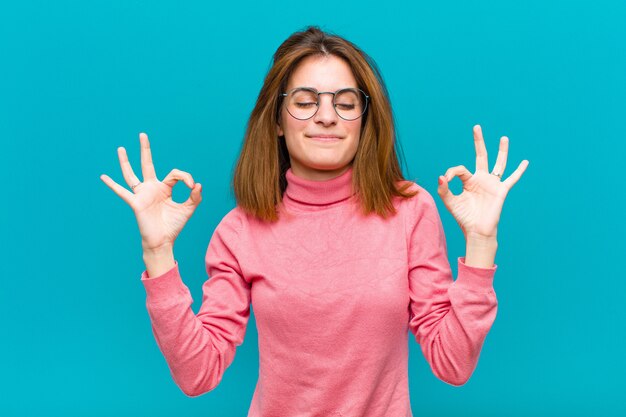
x: 327, y: 167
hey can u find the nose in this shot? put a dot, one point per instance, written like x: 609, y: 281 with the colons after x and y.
x: 326, y: 114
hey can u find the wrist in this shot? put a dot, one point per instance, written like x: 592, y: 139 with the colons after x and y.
x: 481, y: 251
x: 159, y: 260
x: 157, y: 250
x: 481, y: 240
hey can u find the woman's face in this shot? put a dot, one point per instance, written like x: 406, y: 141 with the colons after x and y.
x: 323, y: 146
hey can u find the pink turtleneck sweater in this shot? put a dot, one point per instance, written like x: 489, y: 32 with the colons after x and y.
x: 335, y: 294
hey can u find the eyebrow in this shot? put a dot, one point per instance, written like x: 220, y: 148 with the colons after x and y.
x: 315, y: 89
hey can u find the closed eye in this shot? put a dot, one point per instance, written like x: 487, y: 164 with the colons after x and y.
x: 306, y: 105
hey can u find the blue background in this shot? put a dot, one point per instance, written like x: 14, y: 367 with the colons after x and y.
x: 79, y: 79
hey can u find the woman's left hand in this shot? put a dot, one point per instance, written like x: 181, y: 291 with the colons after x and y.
x: 477, y: 209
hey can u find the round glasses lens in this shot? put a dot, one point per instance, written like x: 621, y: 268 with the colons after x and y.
x: 349, y: 104
x: 302, y: 103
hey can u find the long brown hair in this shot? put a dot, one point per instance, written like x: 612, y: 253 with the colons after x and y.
x: 259, y: 178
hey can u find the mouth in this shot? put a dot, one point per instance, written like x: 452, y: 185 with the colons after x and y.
x: 324, y: 138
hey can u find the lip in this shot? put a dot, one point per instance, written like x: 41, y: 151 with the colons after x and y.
x: 324, y: 138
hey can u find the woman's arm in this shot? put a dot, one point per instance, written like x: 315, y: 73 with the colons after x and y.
x: 449, y: 318
x: 198, y: 348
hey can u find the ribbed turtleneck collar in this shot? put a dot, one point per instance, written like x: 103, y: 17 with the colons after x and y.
x: 319, y: 193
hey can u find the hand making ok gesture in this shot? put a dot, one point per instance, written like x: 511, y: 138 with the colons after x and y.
x: 477, y: 209
x: 160, y: 219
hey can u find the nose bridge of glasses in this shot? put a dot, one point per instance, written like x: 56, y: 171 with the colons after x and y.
x: 331, y: 101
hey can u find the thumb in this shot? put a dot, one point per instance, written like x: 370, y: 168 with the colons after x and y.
x: 196, y: 195
x: 444, y: 192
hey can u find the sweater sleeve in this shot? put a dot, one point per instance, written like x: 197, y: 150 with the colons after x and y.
x: 199, y: 348
x: 450, y: 319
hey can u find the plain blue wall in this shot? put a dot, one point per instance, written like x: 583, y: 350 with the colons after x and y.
x: 79, y: 79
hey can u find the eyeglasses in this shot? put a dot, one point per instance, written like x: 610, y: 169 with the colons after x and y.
x: 303, y: 103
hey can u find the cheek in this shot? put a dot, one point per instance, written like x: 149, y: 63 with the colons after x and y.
x: 291, y: 127
x: 356, y: 129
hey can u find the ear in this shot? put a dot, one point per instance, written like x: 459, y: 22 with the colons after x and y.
x: 279, y: 130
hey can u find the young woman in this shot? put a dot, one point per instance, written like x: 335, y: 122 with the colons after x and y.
x: 339, y: 256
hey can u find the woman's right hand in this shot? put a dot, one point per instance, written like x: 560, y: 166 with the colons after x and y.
x: 160, y: 219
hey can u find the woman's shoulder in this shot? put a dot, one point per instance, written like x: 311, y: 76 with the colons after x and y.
x: 235, y: 218
x: 240, y: 220
x: 421, y: 194
x: 420, y: 204
x: 233, y: 228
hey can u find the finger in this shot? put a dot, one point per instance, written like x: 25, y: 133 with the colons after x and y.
x: 196, y: 196
x: 117, y: 189
x: 458, y: 171
x: 176, y: 175
x: 482, y: 162
x: 444, y: 191
x: 147, y: 168
x: 503, y: 152
x: 516, y: 175
x: 127, y: 169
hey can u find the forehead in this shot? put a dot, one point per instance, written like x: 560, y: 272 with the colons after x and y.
x: 324, y: 73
